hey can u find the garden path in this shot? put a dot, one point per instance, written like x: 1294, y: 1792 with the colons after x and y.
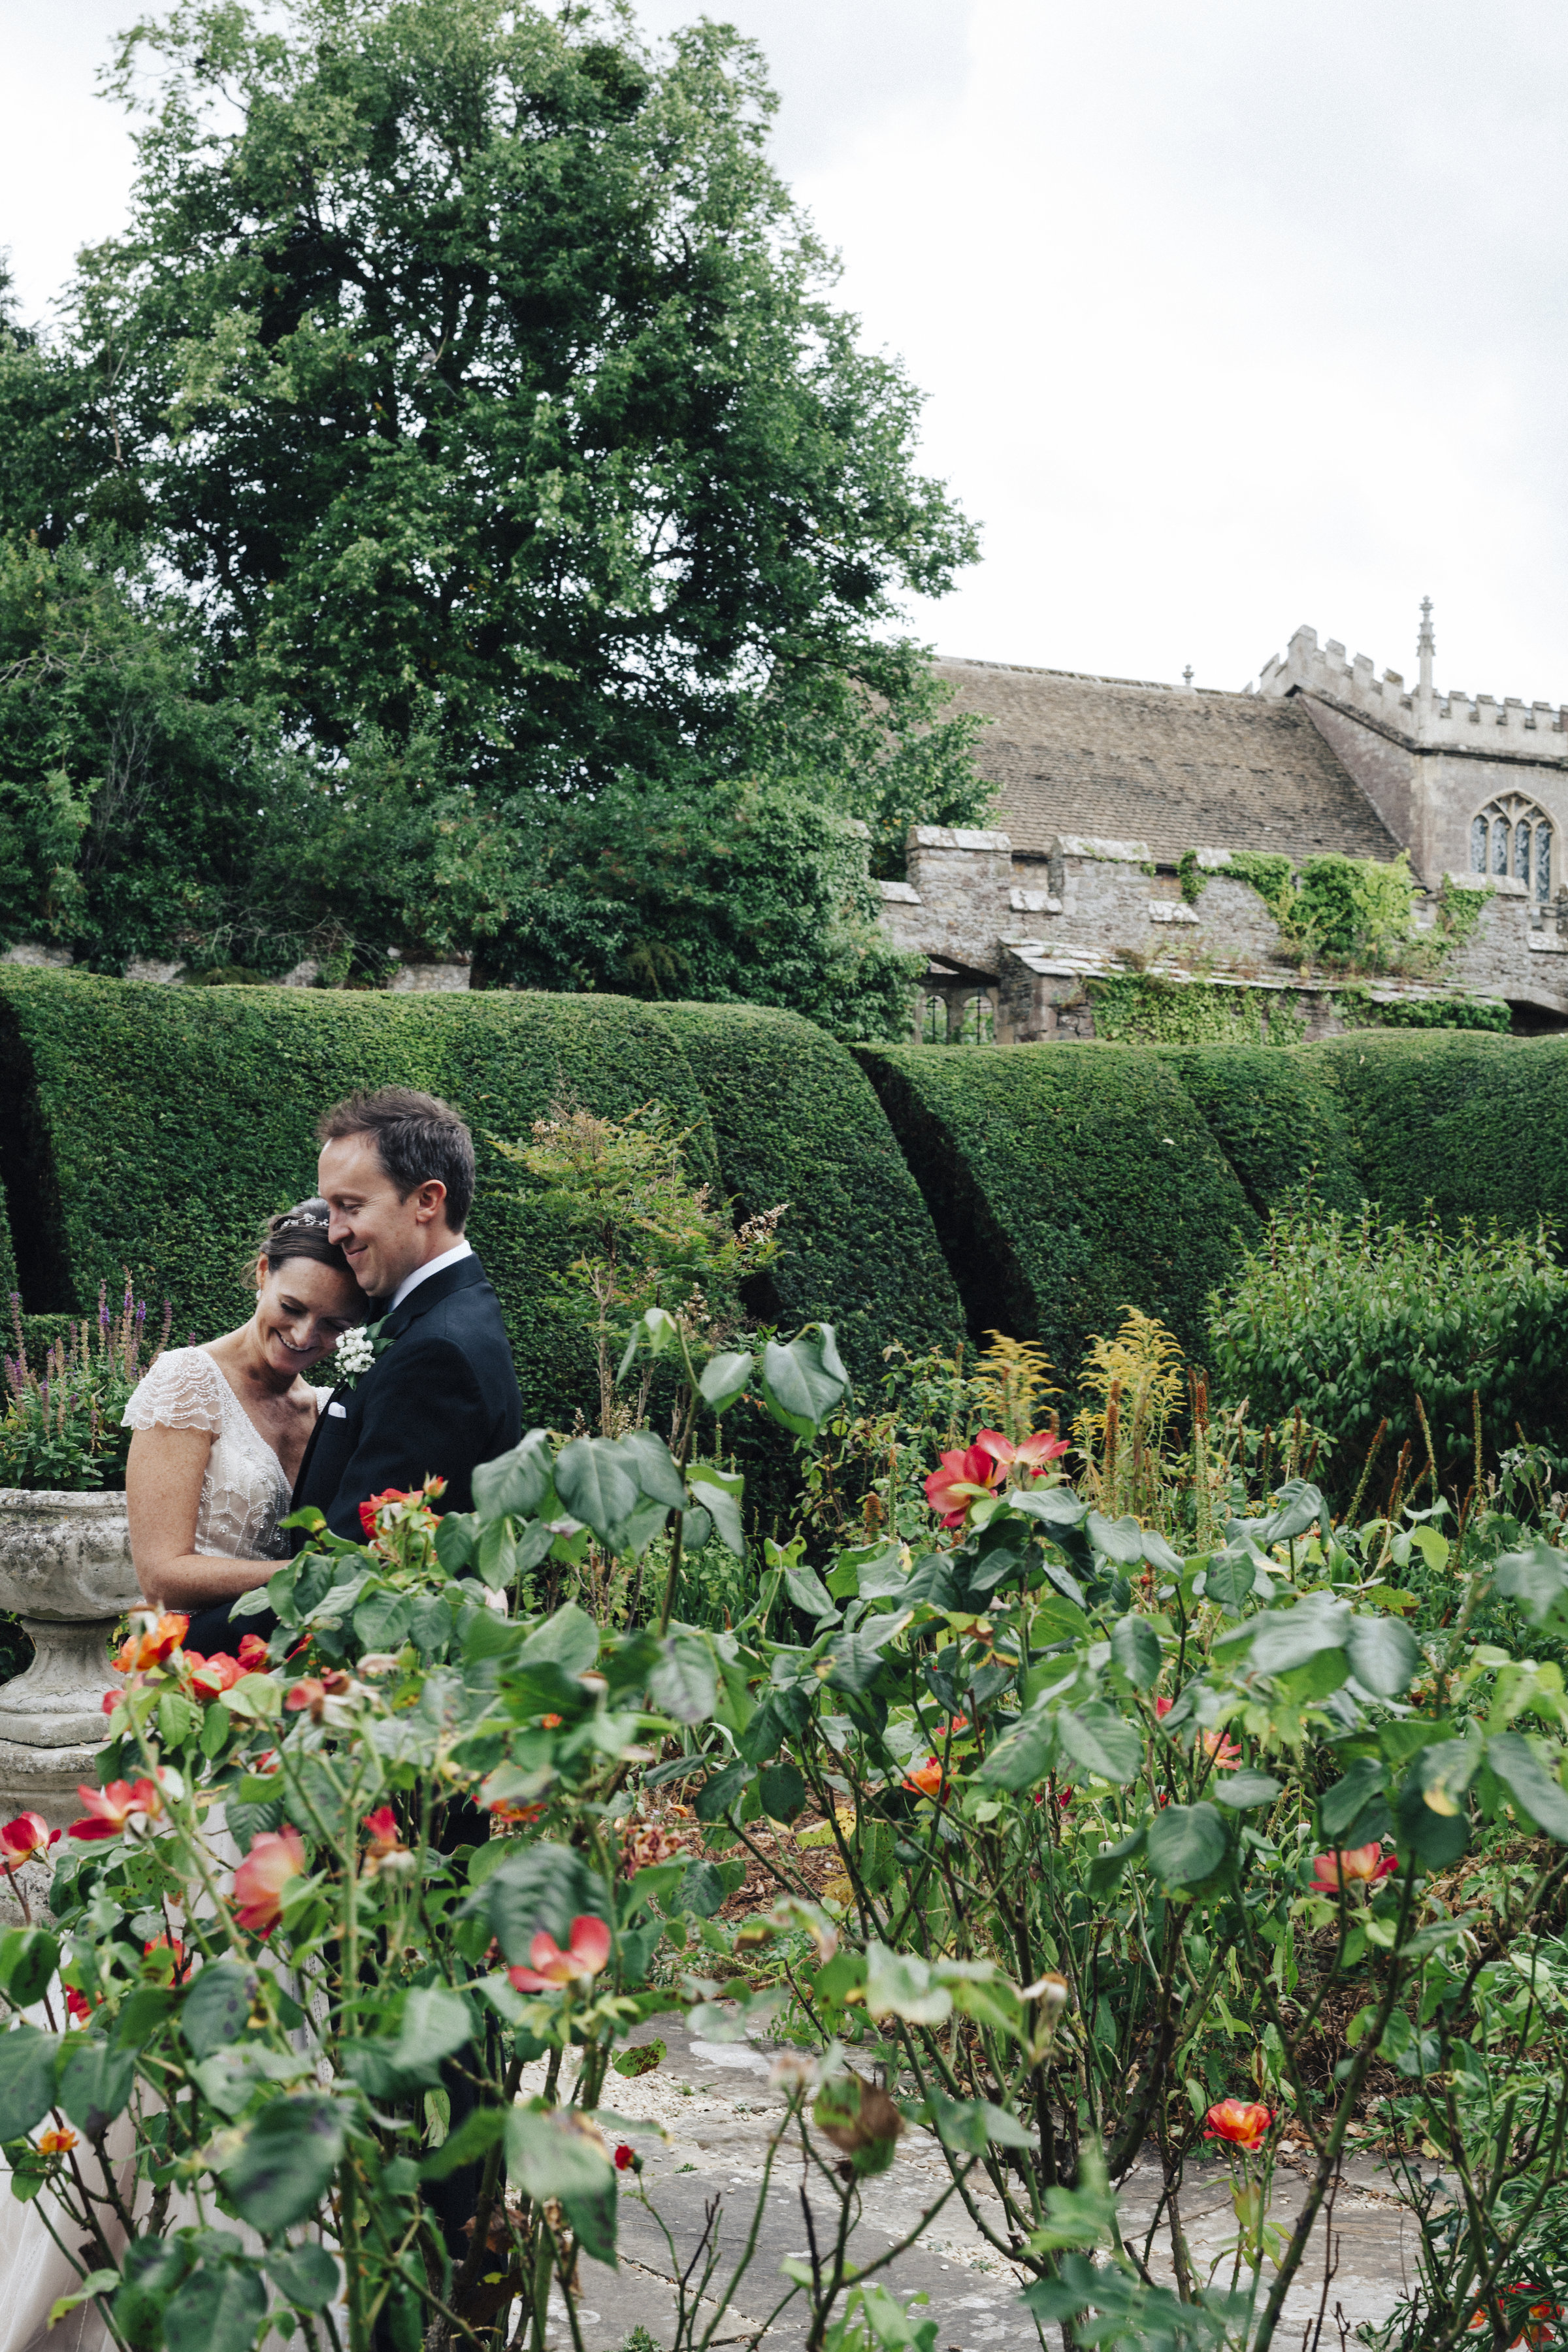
x: 713, y: 2100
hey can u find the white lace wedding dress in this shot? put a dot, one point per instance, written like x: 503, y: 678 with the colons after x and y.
x: 245, y: 1493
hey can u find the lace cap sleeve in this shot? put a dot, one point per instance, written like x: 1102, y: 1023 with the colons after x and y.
x: 183, y: 1391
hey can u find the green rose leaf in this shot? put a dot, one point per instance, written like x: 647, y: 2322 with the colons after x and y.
x: 595, y: 1484
x: 27, y: 2078
x: 28, y: 1958
x: 1135, y: 1647
x: 1383, y: 1654
x: 555, y: 2153
x: 543, y: 1886
x: 515, y: 1484
x: 1186, y: 1844
x: 1286, y: 1638
x: 568, y: 1639
x: 218, y: 2310
x: 1101, y: 1741
x: 1241, y: 1790
x: 95, y: 2083
x: 802, y: 1382
x: 1024, y: 1755
x: 1529, y: 1783
x: 685, y: 1682
x: 285, y: 2164
x: 899, y: 1984
x: 782, y: 1787
x: 436, y: 2024
x: 1344, y: 1804
x: 307, y: 2276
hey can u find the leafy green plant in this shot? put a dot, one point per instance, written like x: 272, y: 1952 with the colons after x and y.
x: 1353, y: 1321
x: 62, y: 1428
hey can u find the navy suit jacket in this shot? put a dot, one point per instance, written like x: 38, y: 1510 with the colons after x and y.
x: 440, y: 1398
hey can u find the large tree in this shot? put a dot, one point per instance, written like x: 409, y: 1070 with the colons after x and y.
x: 472, y: 377
x: 478, y: 369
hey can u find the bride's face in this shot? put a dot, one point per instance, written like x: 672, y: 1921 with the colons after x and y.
x: 302, y: 1309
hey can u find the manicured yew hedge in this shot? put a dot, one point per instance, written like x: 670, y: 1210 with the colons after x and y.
x: 1476, y: 1124
x: 155, y: 1127
x: 795, y: 1120
x: 1066, y: 1182
x: 1280, y: 1118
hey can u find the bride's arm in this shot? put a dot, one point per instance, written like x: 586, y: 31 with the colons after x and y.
x: 163, y: 1476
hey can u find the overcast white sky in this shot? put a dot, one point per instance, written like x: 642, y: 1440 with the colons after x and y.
x: 1231, y: 314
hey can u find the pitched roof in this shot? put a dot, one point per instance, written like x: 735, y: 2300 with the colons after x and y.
x: 1130, y: 759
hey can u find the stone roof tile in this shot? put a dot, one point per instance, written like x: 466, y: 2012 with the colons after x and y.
x: 1128, y: 758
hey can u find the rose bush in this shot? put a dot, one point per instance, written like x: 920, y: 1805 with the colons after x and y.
x: 321, y: 1912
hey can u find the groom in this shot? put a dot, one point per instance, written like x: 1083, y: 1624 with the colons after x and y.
x: 397, y: 1170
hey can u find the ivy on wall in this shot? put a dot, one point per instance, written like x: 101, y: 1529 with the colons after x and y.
x: 1139, y: 1008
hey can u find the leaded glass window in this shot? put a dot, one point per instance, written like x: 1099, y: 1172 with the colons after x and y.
x: 1513, y: 837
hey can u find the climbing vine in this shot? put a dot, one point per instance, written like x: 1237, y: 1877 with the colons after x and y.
x: 1140, y: 1008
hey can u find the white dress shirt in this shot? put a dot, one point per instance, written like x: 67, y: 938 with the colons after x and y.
x: 458, y: 1251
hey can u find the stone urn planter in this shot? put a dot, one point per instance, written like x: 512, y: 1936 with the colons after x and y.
x: 65, y: 1570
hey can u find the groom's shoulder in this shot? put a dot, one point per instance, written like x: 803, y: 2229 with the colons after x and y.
x: 465, y: 1316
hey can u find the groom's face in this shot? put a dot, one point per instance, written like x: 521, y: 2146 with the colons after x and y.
x: 383, y: 1235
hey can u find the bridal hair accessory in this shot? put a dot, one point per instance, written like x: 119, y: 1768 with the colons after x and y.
x: 308, y: 1218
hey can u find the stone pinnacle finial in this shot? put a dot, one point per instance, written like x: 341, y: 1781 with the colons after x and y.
x: 1187, y: 676
x: 1425, y: 644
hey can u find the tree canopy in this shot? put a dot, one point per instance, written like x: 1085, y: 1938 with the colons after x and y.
x: 473, y: 374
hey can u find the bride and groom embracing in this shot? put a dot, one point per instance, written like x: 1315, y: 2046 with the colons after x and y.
x: 230, y: 1437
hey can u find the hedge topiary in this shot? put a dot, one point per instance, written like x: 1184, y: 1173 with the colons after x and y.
x: 156, y: 1127
x: 1477, y: 1124
x: 1280, y: 1118
x: 1066, y: 1182
x: 795, y: 1120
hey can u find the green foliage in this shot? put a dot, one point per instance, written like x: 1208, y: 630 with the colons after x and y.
x: 1476, y: 1125
x: 1352, y: 1320
x: 1353, y: 909
x: 1278, y: 1119
x: 1140, y: 1008
x: 61, y: 1429
x: 559, y: 413
x: 1271, y: 877
x: 1426, y: 1012
x: 134, y: 797
x: 794, y: 1120
x: 734, y: 893
x: 157, y: 1127
x: 1065, y: 1180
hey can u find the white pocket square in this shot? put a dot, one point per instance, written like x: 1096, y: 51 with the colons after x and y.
x: 338, y: 1411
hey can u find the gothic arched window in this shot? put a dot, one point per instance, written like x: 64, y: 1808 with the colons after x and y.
x: 1513, y: 837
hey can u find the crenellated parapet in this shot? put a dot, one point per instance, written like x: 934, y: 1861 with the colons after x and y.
x: 1420, y: 714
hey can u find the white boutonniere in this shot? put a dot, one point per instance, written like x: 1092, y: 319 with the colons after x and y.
x: 356, y: 1351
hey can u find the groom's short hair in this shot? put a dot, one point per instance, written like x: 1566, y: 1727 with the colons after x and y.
x: 418, y: 1139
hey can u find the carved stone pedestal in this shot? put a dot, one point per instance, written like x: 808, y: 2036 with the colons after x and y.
x: 65, y: 1571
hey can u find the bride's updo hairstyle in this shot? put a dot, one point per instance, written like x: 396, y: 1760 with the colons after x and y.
x: 301, y: 1231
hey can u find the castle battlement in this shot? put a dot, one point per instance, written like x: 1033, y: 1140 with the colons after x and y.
x: 1419, y: 714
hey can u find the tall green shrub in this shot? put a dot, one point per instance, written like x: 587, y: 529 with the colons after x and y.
x: 1352, y: 1318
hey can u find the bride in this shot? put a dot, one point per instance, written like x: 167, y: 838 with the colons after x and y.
x: 220, y: 1433
x: 221, y: 1430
